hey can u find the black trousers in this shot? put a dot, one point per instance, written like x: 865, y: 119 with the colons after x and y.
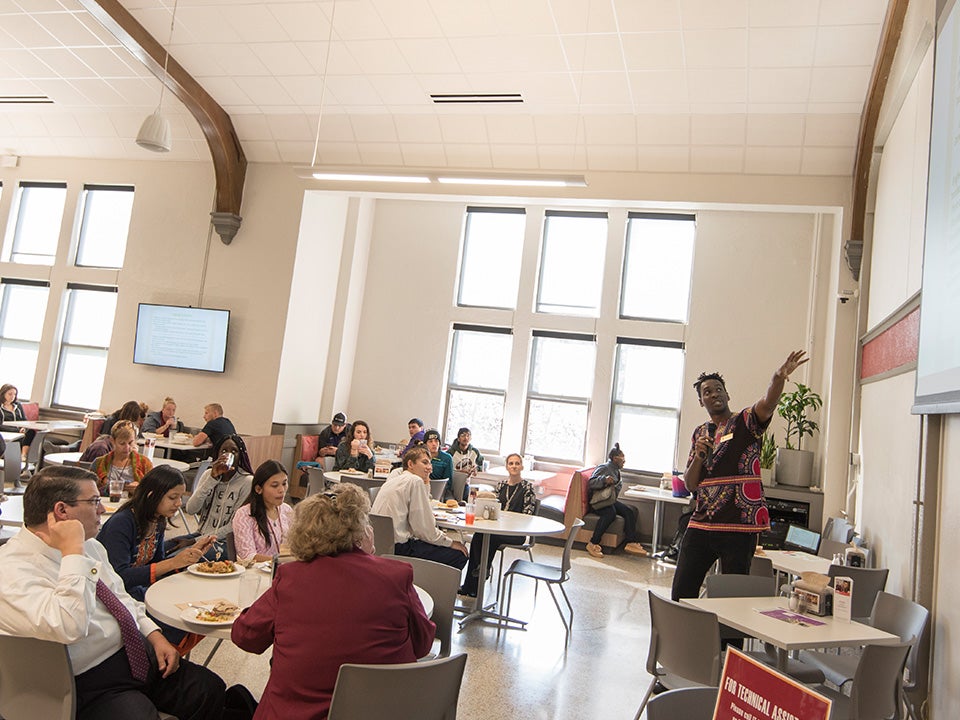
x: 476, y: 549
x: 606, y: 517
x: 438, y: 553
x: 701, y: 548
x: 108, y: 691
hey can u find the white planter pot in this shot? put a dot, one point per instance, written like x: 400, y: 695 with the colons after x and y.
x: 794, y: 467
x: 766, y: 476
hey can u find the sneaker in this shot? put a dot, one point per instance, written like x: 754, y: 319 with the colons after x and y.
x: 466, y: 592
x: 635, y: 549
x: 594, y: 550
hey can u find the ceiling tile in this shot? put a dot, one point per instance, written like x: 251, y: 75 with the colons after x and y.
x: 772, y: 161
x: 460, y: 19
x: 827, y: 161
x: 782, y: 13
x: 423, y: 154
x: 717, y: 86
x: 353, y: 90
x: 547, y: 90
x: 95, y: 124
x: 790, y: 108
x: 281, y: 58
x: 610, y: 129
x: 612, y: 158
x: 226, y: 91
x: 420, y: 129
x: 400, y: 90
x: 26, y: 63
x: 832, y: 130
x: 717, y: 129
x: 507, y: 129
x: 428, y: 55
x: 64, y: 63
x: 252, y: 128
x: 302, y: 22
x: 847, y: 45
x: 68, y: 30
x: 665, y: 158
x: 22, y: 86
x: 27, y: 124
x: 779, y: 85
x: 593, y: 52
x: 305, y: 89
x: 561, y: 157
x: 254, y: 23
x: 207, y: 25
x: 296, y: 128
x: 7, y: 40
x: 358, y: 21
x: 558, y: 129
x: 653, y: 51
x: 105, y: 62
x: 605, y: 88
x: 261, y: 151
x: 575, y: 16
x: 336, y: 129
x: 712, y: 14
x: 100, y: 93
x: 28, y: 32
x: 659, y: 87
x: 378, y: 57
x: 834, y: 108
x: 374, y: 129
x: 94, y: 26
x: 463, y: 129
x: 522, y: 157
x: 663, y: 129
x: 844, y: 12
x: 524, y: 18
x: 62, y: 124
x: 839, y: 84
x: 264, y: 91
x: 468, y: 155
x: 380, y: 154
x: 782, y: 47
x: 341, y: 62
x: 238, y: 59
x: 771, y: 130
x: 301, y: 153
x: 409, y: 19
x: 706, y: 159
x: 715, y: 48
x: 137, y: 92
x: 337, y: 153
x: 642, y: 15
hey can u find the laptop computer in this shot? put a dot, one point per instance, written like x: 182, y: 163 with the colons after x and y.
x: 802, y: 539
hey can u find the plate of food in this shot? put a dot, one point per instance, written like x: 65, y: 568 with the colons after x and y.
x: 216, y: 568
x: 220, y: 614
x: 351, y: 471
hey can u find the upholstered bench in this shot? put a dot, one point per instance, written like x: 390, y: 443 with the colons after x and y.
x: 576, y: 506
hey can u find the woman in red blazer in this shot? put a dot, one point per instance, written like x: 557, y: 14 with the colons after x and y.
x: 337, y: 604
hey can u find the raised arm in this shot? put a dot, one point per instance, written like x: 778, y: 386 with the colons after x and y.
x: 768, y: 403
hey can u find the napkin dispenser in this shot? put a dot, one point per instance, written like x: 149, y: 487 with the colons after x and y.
x: 819, y: 601
x: 488, y: 508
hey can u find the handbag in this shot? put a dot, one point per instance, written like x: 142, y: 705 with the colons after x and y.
x: 604, y: 497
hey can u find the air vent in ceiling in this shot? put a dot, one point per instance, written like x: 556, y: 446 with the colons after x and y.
x: 25, y: 100
x: 490, y: 98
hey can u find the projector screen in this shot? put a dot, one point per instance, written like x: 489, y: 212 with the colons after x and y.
x: 938, y: 361
x: 181, y: 337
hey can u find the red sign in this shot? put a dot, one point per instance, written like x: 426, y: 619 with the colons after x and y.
x: 750, y: 690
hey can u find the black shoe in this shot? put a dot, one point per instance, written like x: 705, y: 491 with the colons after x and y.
x: 466, y: 592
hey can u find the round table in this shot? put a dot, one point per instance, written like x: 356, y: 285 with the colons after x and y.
x: 11, y: 511
x: 509, y: 523
x: 163, y: 596
x: 59, y: 458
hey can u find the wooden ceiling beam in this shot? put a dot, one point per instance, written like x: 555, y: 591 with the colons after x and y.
x: 229, y: 162
x: 866, y: 140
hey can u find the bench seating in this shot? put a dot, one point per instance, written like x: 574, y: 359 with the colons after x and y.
x: 305, y: 450
x: 577, y: 506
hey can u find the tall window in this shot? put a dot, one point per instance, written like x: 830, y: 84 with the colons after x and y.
x: 104, y: 225
x: 571, y: 264
x: 23, y: 304
x: 558, y: 395
x: 85, y: 341
x: 490, y: 263
x: 646, y: 402
x: 657, y: 267
x: 36, y: 232
x: 479, y: 371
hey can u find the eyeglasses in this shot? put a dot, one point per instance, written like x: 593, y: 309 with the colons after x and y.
x: 89, y: 501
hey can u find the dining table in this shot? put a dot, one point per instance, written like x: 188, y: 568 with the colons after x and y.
x: 12, y: 463
x: 769, y: 619
x: 47, y: 425
x: 60, y: 458
x: 795, y: 562
x: 657, y: 496
x: 508, y: 523
x: 11, y: 511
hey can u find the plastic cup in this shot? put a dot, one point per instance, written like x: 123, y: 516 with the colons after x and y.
x: 116, y: 490
x: 469, y: 517
x: 249, y: 588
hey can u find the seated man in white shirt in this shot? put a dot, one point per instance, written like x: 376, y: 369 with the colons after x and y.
x: 405, y: 497
x: 57, y: 584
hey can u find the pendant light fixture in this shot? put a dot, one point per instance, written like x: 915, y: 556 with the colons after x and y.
x: 155, y: 132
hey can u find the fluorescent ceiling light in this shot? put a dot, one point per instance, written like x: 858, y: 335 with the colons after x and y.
x: 515, y: 181
x: 365, y: 177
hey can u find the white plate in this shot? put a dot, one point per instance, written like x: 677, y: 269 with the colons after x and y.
x: 265, y: 566
x: 237, y: 570
x: 190, y: 615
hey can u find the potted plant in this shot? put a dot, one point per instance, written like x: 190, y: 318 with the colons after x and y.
x: 768, y: 456
x: 795, y: 465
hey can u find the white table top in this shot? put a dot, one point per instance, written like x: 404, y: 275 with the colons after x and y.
x: 645, y: 493
x: 162, y: 442
x: 11, y: 511
x: 744, y: 615
x: 42, y: 425
x: 796, y: 563
x: 59, y: 458
x: 334, y: 476
x: 11, y: 436
x: 510, y: 523
x: 163, y: 596
x: 498, y: 473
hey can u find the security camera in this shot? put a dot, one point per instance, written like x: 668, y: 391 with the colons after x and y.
x: 844, y: 295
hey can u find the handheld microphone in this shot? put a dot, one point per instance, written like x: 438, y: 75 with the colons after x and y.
x: 711, y: 431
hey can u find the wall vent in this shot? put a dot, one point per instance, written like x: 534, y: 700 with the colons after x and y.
x: 25, y: 100
x: 475, y: 98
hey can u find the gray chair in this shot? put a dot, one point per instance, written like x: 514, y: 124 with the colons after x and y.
x: 36, y: 680
x: 422, y: 690
x: 373, y: 494
x: 458, y: 483
x: 761, y: 566
x: 839, y: 530
x: 526, y: 545
x: 382, y: 534
x: 867, y: 582
x: 684, y: 647
x: 693, y: 703
x: 718, y: 586
x: 876, y: 688
x: 901, y: 617
x: 195, y: 471
x: 829, y: 548
x: 436, y: 489
x: 550, y: 574
x: 441, y: 582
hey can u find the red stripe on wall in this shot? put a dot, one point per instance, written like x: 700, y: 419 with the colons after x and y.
x: 893, y: 348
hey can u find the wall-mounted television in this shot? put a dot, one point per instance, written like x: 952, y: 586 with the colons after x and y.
x: 181, y: 337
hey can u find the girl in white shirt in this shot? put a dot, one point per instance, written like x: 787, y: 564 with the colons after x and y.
x: 261, y: 523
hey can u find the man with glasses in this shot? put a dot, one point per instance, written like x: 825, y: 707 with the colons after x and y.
x: 57, y: 584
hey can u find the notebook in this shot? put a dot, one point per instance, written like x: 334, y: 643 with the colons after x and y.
x: 803, y: 539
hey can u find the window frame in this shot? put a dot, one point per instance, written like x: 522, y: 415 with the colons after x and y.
x: 463, y: 253
x: 6, y: 283
x: 537, y: 302
x: 83, y: 204
x: 68, y: 310
x: 15, y: 229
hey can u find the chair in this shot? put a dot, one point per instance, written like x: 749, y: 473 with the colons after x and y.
x: 692, y: 703
x: 899, y: 616
x: 761, y: 566
x: 373, y: 494
x: 79, y: 464
x: 684, y: 647
x: 839, y: 530
x: 36, y: 680
x: 867, y: 582
x: 525, y: 546
x: 829, y: 548
x: 436, y: 489
x: 550, y: 574
x: 441, y: 581
x: 718, y: 586
x: 198, y: 471
x: 458, y: 484
x: 305, y: 449
x: 423, y: 690
x: 382, y: 534
x: 876, y: 689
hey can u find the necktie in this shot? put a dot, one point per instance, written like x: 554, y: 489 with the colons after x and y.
x: 132, y: 640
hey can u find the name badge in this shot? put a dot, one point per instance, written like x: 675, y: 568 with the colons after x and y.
x: 728, y: 436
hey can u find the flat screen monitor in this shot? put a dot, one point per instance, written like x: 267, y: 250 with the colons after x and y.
x: 803, y: 539
x: 181, y: 337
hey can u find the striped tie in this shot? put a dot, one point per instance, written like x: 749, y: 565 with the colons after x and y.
x: 132, y: 640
